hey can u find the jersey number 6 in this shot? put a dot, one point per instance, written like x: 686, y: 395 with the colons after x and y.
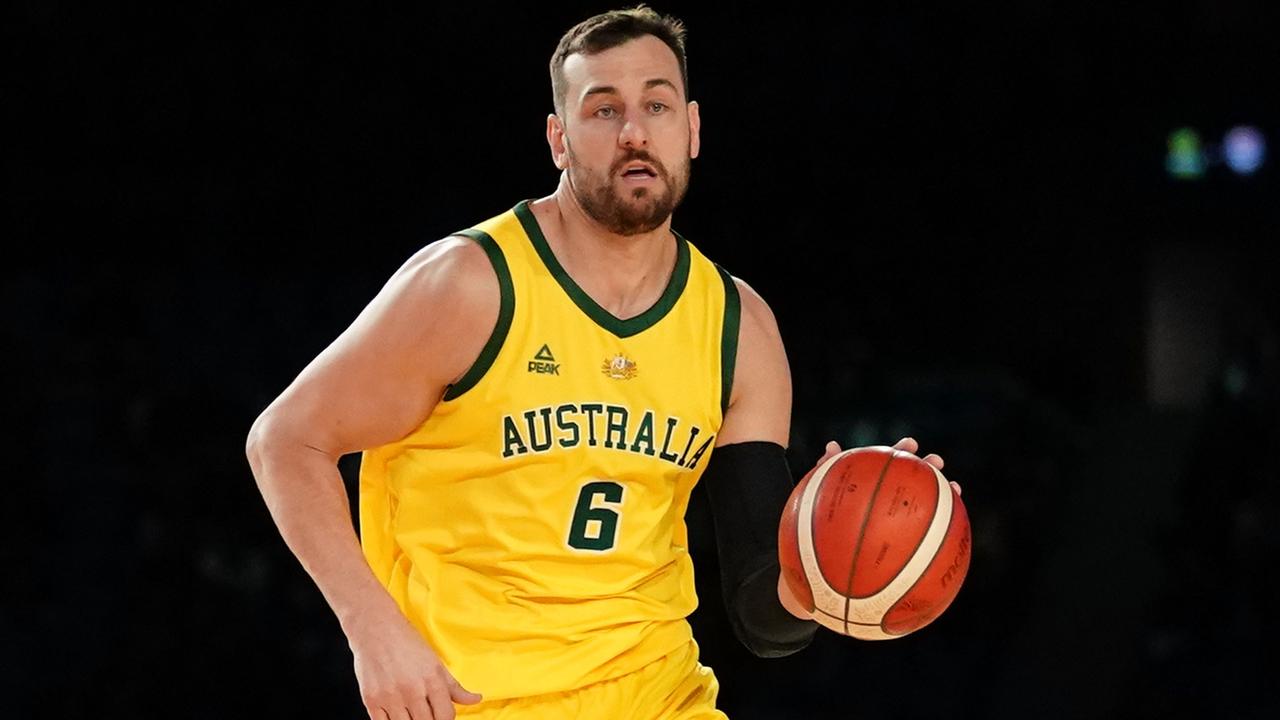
x: 596, y: 528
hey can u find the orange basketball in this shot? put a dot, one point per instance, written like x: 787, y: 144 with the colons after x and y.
x: 875, y: 542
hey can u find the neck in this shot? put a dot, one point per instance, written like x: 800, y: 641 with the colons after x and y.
x: 624, y: 274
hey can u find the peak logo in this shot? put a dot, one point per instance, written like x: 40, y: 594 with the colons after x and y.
x: 544, y: 363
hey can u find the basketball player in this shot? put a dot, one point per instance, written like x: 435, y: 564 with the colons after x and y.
x: 535, y: 397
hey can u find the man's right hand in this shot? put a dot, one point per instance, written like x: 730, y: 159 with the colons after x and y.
x: 400, y: 676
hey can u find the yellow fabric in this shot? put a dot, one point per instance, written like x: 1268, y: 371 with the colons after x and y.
x: 674, y: 687
x: 469, y: 521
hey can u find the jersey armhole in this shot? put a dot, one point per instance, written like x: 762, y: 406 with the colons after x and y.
x: 728, y: 338
x: 506, y: 310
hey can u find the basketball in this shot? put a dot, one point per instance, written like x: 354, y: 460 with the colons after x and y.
x: 875, y: 542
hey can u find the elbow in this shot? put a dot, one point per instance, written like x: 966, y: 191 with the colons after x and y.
x: 279, y: 436
x: 259, y: 441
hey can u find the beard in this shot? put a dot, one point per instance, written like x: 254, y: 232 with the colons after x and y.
x: 627, y: 212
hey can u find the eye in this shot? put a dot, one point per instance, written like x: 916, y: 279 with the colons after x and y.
x: 657, y: 107
x: 605, y: 112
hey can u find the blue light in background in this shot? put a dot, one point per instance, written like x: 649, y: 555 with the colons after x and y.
x: 1244, y: 149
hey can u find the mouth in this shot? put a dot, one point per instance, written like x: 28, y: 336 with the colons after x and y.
x: 638, y: 172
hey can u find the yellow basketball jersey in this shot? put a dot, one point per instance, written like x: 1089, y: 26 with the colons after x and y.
x: 532, y: 528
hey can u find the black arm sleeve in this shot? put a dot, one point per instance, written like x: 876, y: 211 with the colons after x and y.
x: 747, y: 485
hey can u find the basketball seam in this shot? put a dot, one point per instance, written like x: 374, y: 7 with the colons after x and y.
x: 862, y: 529
x: 817, y: 482
x: 848, y: 622
x: 926, y: 572
x: 914, y: 550
x: 881, y: 602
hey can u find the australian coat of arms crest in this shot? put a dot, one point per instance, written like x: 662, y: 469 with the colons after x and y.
x: 620, y: 367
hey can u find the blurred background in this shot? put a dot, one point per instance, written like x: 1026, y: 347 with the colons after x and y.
x: 1036, y: 236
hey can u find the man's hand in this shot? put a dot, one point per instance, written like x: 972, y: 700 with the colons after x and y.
x: 906, y: 444
x: 400, y: 676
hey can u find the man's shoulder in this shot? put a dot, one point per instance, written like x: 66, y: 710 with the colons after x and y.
x: 452, y: 254
x: 454, y: 271
x: 756, y: 316
x: 755, y: 310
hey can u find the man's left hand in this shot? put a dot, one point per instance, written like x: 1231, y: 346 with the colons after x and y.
x: 906, y: 444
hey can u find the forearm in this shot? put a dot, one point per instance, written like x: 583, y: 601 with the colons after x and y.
x: 747, y: 486
x: 305, y: 495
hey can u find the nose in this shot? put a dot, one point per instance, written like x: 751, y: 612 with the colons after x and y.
x: 634, y: 133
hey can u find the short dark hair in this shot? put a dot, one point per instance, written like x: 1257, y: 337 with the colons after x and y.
x: 609, y: 30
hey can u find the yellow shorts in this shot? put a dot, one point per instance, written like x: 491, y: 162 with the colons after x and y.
x: 675, y: 687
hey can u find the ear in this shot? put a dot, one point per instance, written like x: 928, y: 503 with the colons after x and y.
x: 557, y: 142
x: 695, y: 128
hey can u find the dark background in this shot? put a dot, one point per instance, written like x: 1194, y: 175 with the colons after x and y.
x: 960, y: 216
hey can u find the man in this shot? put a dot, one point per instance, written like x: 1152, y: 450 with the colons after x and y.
x: 536, y: 397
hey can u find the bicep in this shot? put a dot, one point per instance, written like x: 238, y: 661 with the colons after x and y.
x: 760, y: 401
x: 384, y: 374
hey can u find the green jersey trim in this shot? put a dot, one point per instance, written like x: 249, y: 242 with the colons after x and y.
x: 729, y: 337
x: 602, y: 317
x: 506, y: 310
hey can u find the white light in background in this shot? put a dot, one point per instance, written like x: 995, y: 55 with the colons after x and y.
x: 1244, y: 149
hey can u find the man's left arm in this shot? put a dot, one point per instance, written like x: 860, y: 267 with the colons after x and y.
x: 748, y: 483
